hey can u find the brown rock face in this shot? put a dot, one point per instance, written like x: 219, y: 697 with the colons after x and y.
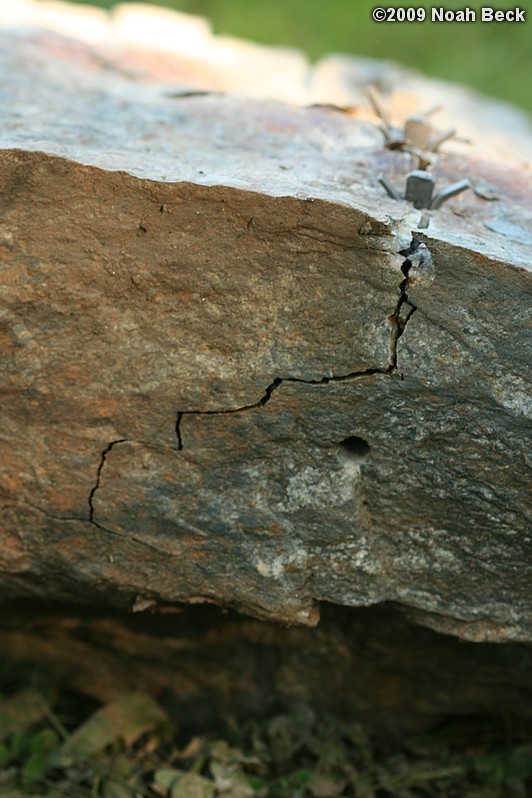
x: 220, y: 380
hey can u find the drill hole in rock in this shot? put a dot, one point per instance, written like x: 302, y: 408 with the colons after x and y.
x: 353, y: 450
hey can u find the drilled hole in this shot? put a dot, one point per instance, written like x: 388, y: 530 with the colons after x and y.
x: 353, y: 449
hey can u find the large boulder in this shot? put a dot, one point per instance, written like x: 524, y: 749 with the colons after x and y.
x: 222, y: 381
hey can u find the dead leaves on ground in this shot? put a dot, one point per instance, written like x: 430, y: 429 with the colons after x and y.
x: 128, y: 749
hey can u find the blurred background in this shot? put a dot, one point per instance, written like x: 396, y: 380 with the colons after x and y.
x: 495, y: 58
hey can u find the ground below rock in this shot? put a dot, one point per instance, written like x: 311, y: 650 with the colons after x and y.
x: 208, y: 668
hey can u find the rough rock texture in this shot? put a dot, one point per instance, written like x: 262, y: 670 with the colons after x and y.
x: 220, y: 383
x: 143, y: 43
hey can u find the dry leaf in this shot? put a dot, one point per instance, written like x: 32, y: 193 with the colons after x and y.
x: 127, y: 719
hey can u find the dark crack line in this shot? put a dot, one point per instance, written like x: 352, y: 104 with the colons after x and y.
x: 265, y: 398
x: 398, y: 327
x: 128, y: 538
x: 67, y: 518
x: 178, y: 431
x: 398, y: 320
x: 186, y: 95
x: 98, y: 477
x: 25, y: 502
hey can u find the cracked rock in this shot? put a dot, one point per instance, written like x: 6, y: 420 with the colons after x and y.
x: 215, y: 385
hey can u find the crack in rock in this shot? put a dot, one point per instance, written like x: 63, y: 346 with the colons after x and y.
x: 26, y: 503
x: 178, y: 431
x: 418, y: 259
x: 66, y: 518
x: 265, y: 398
x: 130, y: 538
x: 98, y: 477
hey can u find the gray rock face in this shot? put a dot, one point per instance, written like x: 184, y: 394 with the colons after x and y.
x: 221, y: 381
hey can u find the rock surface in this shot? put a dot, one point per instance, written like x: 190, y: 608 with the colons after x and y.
x: 219, y: 385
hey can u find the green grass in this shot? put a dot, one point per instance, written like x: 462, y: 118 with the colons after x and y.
x: 495, y: 58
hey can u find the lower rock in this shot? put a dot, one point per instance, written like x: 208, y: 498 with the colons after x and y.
x: 204, y: 665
